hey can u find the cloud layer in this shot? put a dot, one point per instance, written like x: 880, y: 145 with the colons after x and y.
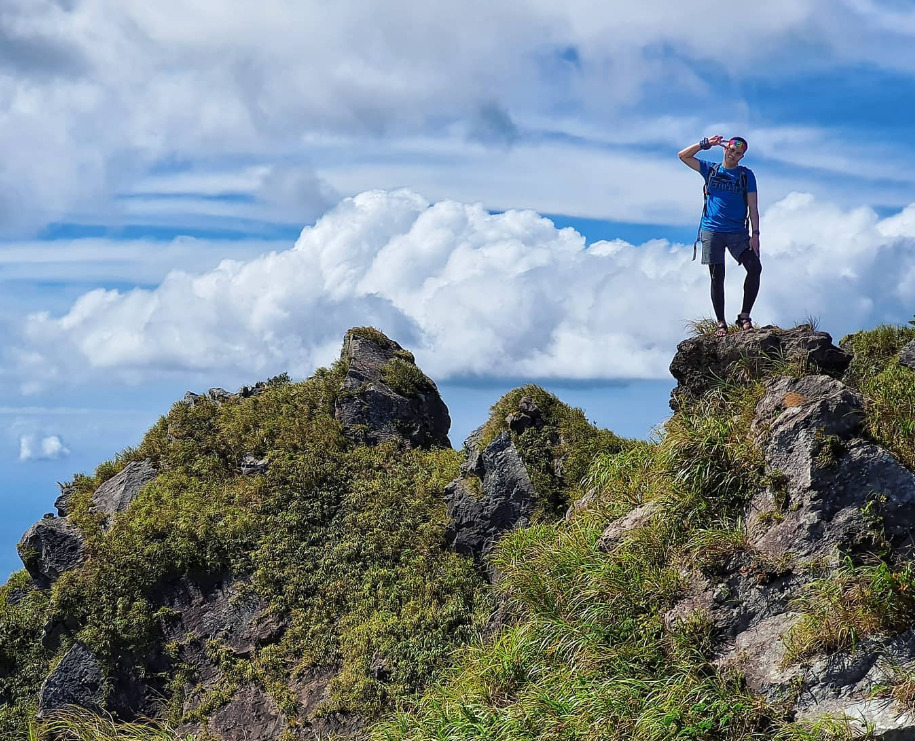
x: 471, y: 293
x: 98, y: 94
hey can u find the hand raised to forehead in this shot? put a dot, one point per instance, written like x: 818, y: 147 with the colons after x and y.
x: 717, y: 141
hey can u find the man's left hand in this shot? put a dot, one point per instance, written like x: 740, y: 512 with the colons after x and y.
x: 754, y: 243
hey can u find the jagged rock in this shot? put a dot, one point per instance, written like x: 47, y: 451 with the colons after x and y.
x: 617, y: 530
x: 701, y: 362
x: 77, y: 680
x: 49, y: 548
x: 907, y: 355
x: 385, y: 396
x: 834, y: 484
x: 116, y: 494
x: 251, y: 715
x: 528, y: 415
x: 506, y: 499
x: 251, y: 465
x: 55, y: 629
x: 62, y: 503
x: 220, y: 395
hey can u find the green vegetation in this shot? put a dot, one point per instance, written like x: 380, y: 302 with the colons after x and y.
x: 888, y: 387
x: 345, y: 544
x: 556, y: 455
x: 850, y: 603
x: 77, y: 724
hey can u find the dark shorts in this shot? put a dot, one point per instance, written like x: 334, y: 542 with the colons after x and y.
x: 714, y: 243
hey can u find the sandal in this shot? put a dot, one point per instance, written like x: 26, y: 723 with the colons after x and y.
x: 744, y: 322
x: 722, y: 329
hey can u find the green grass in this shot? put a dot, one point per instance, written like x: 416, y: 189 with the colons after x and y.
x: 77, y: 724
x: 888, y: 387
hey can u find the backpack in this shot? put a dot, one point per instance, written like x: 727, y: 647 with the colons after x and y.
x: 712, y: 171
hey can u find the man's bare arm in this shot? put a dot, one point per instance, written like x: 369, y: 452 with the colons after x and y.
x: 688, y: 155
x: 753, y: 206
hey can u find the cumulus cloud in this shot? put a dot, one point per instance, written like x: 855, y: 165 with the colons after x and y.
x: 472, y: 294
x: 36, y: 448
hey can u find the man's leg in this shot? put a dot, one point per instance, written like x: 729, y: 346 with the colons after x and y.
x: 750, y: 261
x: 713, y: 245
x: 717, y: 274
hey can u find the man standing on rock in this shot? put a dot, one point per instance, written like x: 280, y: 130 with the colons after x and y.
x: 730, y: 211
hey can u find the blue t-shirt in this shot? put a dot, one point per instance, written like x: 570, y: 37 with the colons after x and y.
x: 726, y: 211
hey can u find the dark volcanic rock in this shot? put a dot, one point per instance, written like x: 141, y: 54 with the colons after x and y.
x: 116, y: 494
x: 907, y: 355
x: 50, y: 547
x: 506, y: 499
x: 77, y: 680
x: 385, y: 396
x: 251, y: 715
x: 62, y: 503
x: 702, y: 361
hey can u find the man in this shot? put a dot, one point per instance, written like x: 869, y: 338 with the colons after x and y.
x: 730, y: 204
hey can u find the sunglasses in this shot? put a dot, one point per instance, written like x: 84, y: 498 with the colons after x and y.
x: 737, y: 144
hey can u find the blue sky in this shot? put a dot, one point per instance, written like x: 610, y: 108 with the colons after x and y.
x: 192, y: 197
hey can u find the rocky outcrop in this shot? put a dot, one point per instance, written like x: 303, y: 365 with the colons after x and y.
x: 50, y: 547
x: 218, y: 395
x: 494, y: 495
x: 116, y: 494
x: 76, y: 680
x: 907, y: 355
x: 833, y: 496
x: 385, y: 396
x: 702, y: 362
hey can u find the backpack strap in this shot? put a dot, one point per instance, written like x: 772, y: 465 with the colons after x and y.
x: 712, y: 171
x: 746, y: 203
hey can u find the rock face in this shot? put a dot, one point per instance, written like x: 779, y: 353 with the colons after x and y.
x: 702, y: 361
x: 49, y: 548
x: 77, y: 680
x: 494, y: 495
x: 385, y: 396
x: 116, y: 494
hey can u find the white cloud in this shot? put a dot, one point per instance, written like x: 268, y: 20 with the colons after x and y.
x: 263, y: 82
x: 35, y: 448
x: 471, y: 293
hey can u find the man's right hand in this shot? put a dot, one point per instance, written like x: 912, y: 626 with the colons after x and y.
x: 717, y: 141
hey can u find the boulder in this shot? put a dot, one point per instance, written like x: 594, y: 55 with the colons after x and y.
x: 701, y: 362
x: 49, y: 548
x: 76, y: 680
x: 482, y: 509
x: 116, y: 494
x: 907, y: 355
x: 385, y: 396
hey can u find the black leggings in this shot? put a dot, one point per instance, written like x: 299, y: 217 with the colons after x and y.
x: 750, y: 262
